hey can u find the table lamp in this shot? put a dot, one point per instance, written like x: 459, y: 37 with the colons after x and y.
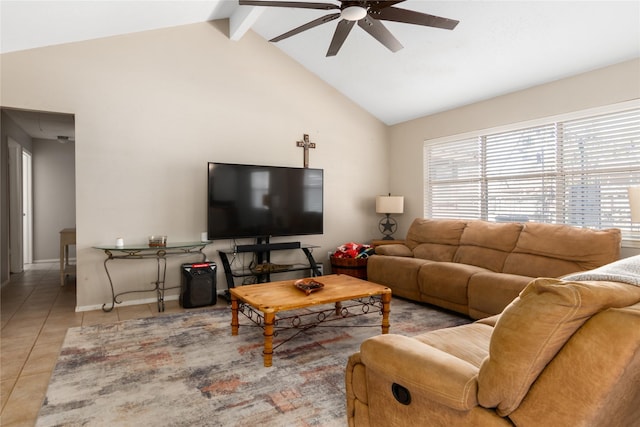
x: 389, y: 205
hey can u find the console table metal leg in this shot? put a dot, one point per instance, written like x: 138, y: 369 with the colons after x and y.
x: 113, y: 295
x: 162, y: 274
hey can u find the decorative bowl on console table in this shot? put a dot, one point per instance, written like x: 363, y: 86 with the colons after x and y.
x: 157, y: 241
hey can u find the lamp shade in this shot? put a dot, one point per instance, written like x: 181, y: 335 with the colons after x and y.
x: 634, y: 203
x: 390, y: 204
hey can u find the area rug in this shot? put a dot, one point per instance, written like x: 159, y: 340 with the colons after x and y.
x: 188, y: 370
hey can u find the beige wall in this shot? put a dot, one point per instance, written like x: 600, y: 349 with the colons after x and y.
x: 152, y: 108
x: 54, y: 197
x: 611, y: 85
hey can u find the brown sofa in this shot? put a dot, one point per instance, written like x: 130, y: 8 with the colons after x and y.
x: 561, y: 354
x: 477, y: 268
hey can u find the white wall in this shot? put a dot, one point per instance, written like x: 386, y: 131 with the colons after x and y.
x: 610, y: 85
x: 152, y: 108
x: 54, y: 196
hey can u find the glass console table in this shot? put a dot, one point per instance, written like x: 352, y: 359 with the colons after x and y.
x: 144, y: 251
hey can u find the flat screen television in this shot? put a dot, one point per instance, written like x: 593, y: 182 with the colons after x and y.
x: 263, y: 201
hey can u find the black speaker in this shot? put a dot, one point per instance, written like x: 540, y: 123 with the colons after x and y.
x: 198, y: 284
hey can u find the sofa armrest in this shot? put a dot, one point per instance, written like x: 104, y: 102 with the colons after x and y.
x: 423, y: 370
x: 396, y: 249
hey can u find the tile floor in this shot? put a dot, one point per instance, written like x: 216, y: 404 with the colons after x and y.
x: 36, y: 313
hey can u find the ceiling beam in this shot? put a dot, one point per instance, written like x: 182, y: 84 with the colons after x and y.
x: 242, y: 20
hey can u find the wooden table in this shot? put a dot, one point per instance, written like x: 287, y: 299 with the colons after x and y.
x: 67, y: 237
x: 274, y: 297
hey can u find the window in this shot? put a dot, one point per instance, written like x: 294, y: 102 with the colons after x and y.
x: 260, y: 190
x: 312, y: 190
x: 574, y: 171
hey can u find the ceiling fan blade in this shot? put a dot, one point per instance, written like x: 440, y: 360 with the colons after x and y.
x: 308, y: 25
x: 377, y: 5
x: 339, y: 36
x: 412, y: 17
x: 380, y: 33
x: 298, y: 5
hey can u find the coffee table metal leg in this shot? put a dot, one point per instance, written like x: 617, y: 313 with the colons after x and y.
x: 234, y: 315
x: 386, y: 308
x: 269, y: 318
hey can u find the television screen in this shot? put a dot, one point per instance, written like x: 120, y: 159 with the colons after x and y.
x: 263, y: 201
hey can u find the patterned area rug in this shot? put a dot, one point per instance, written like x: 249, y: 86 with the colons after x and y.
x: 187, y: 369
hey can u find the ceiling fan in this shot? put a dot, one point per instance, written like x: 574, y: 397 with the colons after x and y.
x: 367, y: 13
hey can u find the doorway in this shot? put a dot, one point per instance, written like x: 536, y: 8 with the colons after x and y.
x: 41, y: 190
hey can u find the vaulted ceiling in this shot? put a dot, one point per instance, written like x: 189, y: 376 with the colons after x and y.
x: 498, y: 47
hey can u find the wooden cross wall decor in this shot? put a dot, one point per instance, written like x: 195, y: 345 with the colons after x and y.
x: 306, y: 144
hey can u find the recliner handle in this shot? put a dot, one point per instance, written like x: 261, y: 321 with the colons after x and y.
x: 401, y: 394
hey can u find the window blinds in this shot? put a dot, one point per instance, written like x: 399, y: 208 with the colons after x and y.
x: 572, y: 172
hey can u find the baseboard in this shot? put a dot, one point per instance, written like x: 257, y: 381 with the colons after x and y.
x: 52, y: 261
x: 46, y: 261
x: 127, y: 303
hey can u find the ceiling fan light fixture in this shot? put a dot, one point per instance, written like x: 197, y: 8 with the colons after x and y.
x: 353, y: 13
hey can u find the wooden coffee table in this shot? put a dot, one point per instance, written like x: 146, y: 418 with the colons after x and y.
x: 275, y: 297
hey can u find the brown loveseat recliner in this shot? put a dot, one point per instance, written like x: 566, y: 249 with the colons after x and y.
x: 478, y: 267
x: 564, y: 353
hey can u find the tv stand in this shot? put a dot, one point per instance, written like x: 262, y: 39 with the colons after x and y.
x: 266, y: 247
x: 262, y: 250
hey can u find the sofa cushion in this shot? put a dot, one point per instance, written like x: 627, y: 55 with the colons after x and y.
x: 467, y: 342
x: 435, y: 252
x: 595, y: 376
x: 398, y: 273
x: 533, y: 328
x: 553, y: 250
x: 487, y: 244
x: 446, y: 280
x: 489, y: 293
x: 394, y: 250
x: 439, y: 238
